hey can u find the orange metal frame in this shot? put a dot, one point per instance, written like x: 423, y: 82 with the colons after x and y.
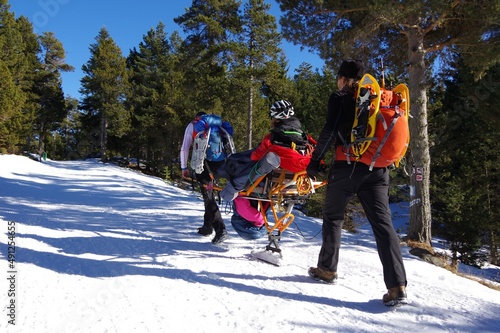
x: 281, y: 189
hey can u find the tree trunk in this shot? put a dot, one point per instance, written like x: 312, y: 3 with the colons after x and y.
x: 420, y: 206
x: 492, y: 234
x: 494, y: 260
x: 104, y: 138
x: 41, y: 139
x: 250, y: 114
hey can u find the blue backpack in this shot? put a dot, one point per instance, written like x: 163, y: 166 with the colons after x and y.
x: 213, y: 137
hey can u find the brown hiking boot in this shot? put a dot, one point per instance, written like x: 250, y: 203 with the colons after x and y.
x: 319, y: 274
x: 395, y: 296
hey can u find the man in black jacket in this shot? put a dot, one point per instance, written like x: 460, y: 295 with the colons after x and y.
x: 347, y: 179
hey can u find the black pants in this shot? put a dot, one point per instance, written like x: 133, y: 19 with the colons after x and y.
x: 372, y: 188
x: 212, y: 217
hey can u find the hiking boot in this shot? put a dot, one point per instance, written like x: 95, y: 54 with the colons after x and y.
x: 220, y: 236
x: 322, y: 275
x: 205, y: 231
x: 395, y: 296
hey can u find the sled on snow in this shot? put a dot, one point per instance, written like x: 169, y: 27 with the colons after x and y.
x: 282, y: 189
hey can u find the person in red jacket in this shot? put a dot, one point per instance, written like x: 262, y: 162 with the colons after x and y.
x: 287, y: 144
x: 286, y: 139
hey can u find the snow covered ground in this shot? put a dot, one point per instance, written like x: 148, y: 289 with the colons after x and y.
x: 100, y: 248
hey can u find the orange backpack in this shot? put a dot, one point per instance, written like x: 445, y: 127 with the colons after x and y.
x: 380, y: 134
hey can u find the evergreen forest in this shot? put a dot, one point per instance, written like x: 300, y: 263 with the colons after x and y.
x: 135, y: 106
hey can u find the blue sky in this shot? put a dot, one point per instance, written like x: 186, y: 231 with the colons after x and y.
x: 76, y: 24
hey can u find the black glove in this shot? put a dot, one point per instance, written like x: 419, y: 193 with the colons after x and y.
x: 312, y: 169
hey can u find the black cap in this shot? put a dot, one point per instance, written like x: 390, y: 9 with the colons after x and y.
x: 352, y: 69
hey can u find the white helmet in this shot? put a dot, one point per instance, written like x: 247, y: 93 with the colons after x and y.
x: 281, y: 110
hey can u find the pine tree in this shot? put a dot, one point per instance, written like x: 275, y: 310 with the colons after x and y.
x: 205, y: 56
x: 29, y: 68
x: 51, y: 108
x: 155, y: 85
x: 8, y: 109
x: 466, y: 155
x: 311, y: 87
x: 104, y: 89
x: 69, y: 131
x: 227, y: 56
x: 257, y: 60
x: 14, y: 87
